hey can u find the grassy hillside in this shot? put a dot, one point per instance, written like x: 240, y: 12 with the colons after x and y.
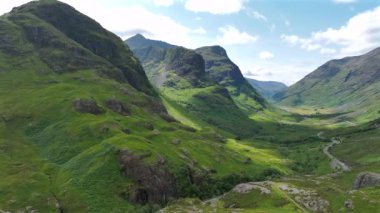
x: 349, y: 85
x: 82, y: 130
x: 267, y: 88
x: 180, y: 76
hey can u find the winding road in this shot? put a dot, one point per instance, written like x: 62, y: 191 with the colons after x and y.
x: 335, y: 163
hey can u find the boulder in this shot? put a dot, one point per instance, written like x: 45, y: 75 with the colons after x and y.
x: 88, y: 106
x: 118, y: 107
x: 126, y: 131
x: 176, y: 141
x: 348, y: 204
x: 149, y: 126
x: 247, y: 161
x: 366, y: 179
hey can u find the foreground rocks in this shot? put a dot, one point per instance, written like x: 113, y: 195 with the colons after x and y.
x: 153, y: 183
x: 366, y: 179
x: 308, y: 198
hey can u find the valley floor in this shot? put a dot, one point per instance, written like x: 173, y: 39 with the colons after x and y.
x: 326, y: 168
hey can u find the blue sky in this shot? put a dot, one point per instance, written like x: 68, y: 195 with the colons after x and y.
x: 281, y: 40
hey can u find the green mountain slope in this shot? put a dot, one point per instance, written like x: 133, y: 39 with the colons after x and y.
x: 82, y: 130
x: 180, y: 75
x: 351, y: 84
x: 222, y: 70
x: 267, y: 88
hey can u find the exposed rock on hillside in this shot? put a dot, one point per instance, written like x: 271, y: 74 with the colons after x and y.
x: 154, y: 183
x: 88, y: 106
x: 118, y: 107
x: 366, y: 179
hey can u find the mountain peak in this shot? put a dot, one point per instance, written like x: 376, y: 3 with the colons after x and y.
x: 138, y: 41
x: 139, y: 35
x: 216, y: 49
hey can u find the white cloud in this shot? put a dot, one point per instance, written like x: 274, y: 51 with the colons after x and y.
x: 116, y: 18
x: 215, y: 6
x: 304, y: 43
x: 288, y: 73
x: 327, y: 51
x: 164, y: 3
x: 344, y: 1
x: 287, y: 23
x: 200, y: 30
x: 255, y: 14
x: 231, y: 35
x: 7, y: 5
x: 360, y: 34
x: 265, y: 55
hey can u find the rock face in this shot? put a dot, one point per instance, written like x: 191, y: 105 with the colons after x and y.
x: 153, y: 183
x: 366, y: 179
x: 94, y: 41
x: 88, y: 106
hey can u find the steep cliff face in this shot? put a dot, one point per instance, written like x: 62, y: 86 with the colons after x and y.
x: 222, y: 70
x: 46, y: 22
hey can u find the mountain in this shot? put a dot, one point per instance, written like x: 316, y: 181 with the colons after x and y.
x: 348, y: 84
x: 267, y: 88
x: 180, y: 76
x: 139, y: 41
x: 83, y: 130
x: 222, y: 70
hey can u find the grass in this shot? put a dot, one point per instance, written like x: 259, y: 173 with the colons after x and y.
x: 51, y: 153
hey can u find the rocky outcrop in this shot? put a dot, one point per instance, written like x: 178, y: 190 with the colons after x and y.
x: 118, y: 107
x: 366, y: 179
x: 308, y: 198
x: 244, y: 188
x: 88, y: 106
x: 152, y: 183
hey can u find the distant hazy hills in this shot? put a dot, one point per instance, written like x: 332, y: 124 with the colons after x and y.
x: 267, y: 88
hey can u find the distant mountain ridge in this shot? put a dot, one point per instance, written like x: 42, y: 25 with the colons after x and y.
x: 267, y: 88
x: 181, y: 76
x: 350, y: 83
x: 139, y: 41
x: 218, y: 66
